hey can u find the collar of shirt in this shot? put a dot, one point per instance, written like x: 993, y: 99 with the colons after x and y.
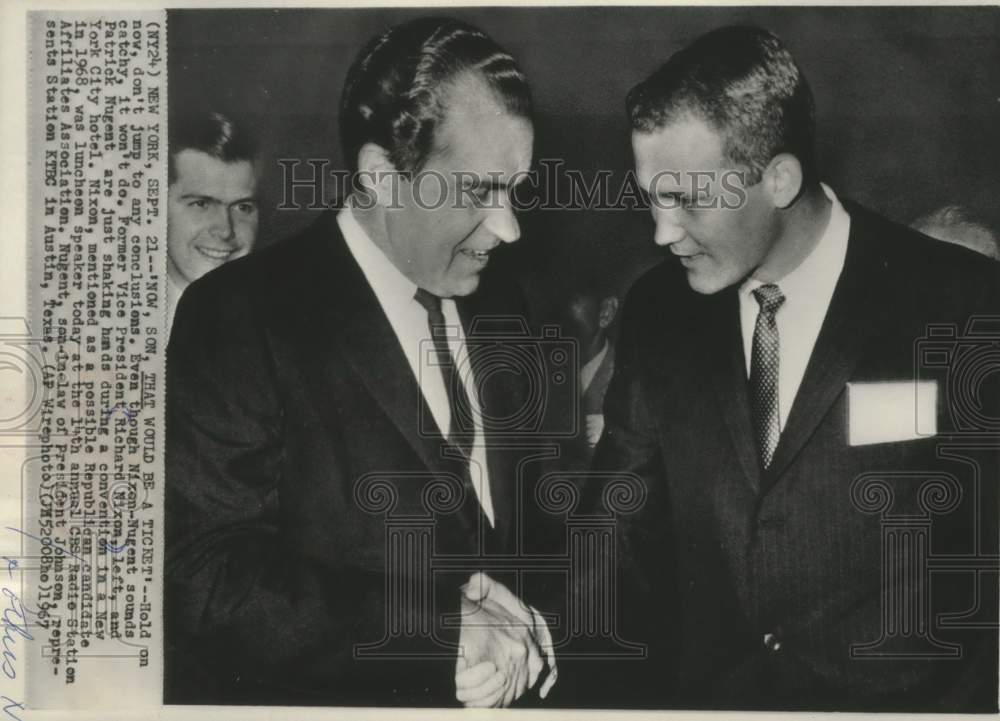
x: 589, y: 370
x: 395, y: 293
x: 808, y: 290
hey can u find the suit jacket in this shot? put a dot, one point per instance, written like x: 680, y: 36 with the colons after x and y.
x: 296, y: 435
x: 760, y: 589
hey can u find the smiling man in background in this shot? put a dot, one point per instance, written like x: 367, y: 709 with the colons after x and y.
x: 212, y: 213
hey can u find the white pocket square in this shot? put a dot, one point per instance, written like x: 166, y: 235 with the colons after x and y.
x: 891, y: 411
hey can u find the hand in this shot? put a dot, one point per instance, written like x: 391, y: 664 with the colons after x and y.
x: 496, y: 657
x: 595, y: 427
x: 500, y: 658
x: 482, y: 586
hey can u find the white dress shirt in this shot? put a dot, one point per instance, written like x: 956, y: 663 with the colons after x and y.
x: 807, y: 290
x: 589, y: 370
x: 395, y: 293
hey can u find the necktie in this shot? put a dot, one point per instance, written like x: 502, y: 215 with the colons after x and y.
x: 462, y: 429
x: 764, y: 363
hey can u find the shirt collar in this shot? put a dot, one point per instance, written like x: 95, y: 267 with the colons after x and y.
x: 390, y: 285
x: 826, y: 259
x: 589, y: 369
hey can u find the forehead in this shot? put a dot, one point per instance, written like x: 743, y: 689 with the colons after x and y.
x: 686, y: 145
x: 200, y: 172
x: 477, y: 133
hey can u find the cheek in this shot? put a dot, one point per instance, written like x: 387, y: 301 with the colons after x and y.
x: 182, y: 229
x: 247, y: 228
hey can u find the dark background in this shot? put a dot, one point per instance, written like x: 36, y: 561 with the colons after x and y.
x: 908, y: 105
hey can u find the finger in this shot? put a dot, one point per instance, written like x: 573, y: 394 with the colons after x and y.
x: 489, y: 700
x: 500, y: 594
x: 477, y: 587
x: 522, y: 679
x: 484, y: 693
x: 511, y: 688
x: 549, y: 682
x: 535, y: 665
x: 471, y: 677
x: 544, y: 636
x: 485, y: 696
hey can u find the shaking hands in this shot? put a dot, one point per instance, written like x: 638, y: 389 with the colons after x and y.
x: 505, y: 647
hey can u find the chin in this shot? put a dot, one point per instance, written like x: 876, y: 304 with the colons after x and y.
x: 706, y: 285
x: 466, y: 286
x: 712, y: 278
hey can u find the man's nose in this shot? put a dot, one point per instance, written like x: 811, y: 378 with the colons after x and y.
x: 500, y: 221
x: 223, y: 227
x: 668, y: 229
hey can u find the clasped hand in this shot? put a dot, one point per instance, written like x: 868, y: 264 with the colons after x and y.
x: 505, y: 646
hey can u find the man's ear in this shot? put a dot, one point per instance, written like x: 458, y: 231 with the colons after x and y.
x: 783, y: 179
x: 376, y: 173
x: 609, y: 309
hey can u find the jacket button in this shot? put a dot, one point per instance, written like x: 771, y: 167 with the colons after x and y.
x: 772, y: 642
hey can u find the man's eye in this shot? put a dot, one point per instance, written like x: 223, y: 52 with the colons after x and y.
x: 198, y: 203
x: 676, y: 200
x: 247, y: 208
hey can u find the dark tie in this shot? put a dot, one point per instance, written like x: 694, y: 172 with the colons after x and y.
x: 764, y: 363
x: 462, y: 429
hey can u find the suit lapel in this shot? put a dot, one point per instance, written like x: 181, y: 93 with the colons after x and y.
x: 361, y: 334
x: 854, y: 314
x: 727, y: 373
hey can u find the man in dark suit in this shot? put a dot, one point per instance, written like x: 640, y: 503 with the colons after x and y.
x: 806, y: 466
x: 325, y: 404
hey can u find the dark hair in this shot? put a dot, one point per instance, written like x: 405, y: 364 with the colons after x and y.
x: 210, y: 132
x: 395, y: 91
x: 744, y: 82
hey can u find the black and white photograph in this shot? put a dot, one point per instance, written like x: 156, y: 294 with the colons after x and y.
x: 533, y: 357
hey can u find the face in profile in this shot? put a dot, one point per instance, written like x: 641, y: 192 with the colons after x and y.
x: 720, y: 229
x: 454, y: 212
x: 212, y: 214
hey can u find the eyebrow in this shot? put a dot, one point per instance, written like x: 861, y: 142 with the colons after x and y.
x: 491, y: 184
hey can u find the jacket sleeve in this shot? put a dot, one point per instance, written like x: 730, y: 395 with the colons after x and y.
x: 639, y: 607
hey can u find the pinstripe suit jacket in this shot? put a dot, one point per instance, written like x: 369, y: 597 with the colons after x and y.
x: 768, y: 589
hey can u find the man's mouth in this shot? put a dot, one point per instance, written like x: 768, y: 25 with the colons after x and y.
x: 689, y: 260
x: 480, y: 256
x: 215, y: 253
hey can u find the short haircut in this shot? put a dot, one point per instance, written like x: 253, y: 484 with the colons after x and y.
x: 743, y: 82
x: 958, y: 224
x: 395, y: 92
x: 210, y: 132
